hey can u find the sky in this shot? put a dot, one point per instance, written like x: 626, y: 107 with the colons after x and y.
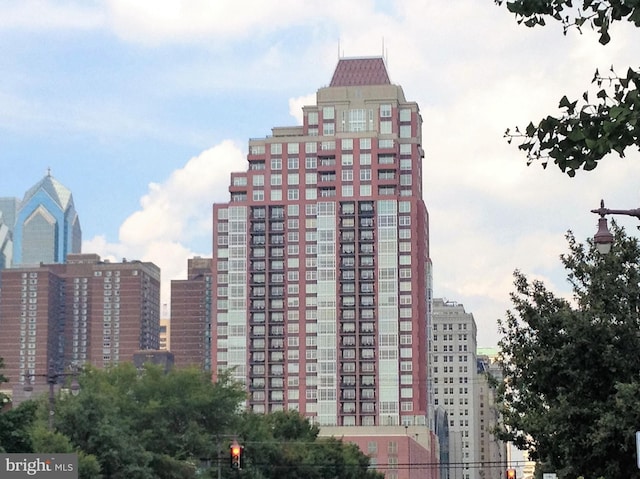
x: 143, y: 108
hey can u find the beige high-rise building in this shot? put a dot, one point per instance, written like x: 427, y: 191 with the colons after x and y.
x: 165, y: 333
x: 492, y: 452
x: 455, y: 384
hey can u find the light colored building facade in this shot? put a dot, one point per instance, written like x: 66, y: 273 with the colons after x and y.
x: 47, y: 227
x: 8, y: 212
x: 83, y: 311
x: 455, y: 384
x: 321, y: 268
x: 492, y: 453
x: 6, y: 245
x: 165, y: 333
x: 9, y: 208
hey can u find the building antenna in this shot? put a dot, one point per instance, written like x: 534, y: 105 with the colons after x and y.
x: 339, y: 49
x: 384, y: 53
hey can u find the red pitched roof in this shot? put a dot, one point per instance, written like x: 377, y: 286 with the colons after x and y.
x: 360, y: 72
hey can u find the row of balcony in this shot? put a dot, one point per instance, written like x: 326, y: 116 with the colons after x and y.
x: 347, y: 286
x: 347, y: 302
x: 260, y: 343
x: 346, y: 275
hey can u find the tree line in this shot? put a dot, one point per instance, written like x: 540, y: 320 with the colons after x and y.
x: 147, y: 424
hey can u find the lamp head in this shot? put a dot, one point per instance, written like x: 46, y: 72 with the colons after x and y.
x: 603, y: 238
x: 75, y: 387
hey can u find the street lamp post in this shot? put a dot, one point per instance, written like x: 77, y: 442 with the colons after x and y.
x: 603, y: 237
x: 52, y: 378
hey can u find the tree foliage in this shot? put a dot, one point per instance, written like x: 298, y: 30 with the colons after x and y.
x: 148, y: 424
x: 45, y: 441
x: 4, y: 399
x: 14, y: 423
x: 572, y: 369
x: 133, y: 424
x: 15, y: 432
x: 284, y: 445
x: 596, y: 14
x: 585, y: 131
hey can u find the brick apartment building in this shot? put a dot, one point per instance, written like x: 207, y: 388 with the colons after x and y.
x: 85, y: 311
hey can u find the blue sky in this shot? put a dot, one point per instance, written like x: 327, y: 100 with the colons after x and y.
x: 143, y: 108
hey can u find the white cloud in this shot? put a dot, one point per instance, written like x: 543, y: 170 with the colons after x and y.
x: 47, y: 15
x: 174, y: 213
x: 473, y: 71
x: 296, y: 104
x: 176, y: 209
x: 159, y: 21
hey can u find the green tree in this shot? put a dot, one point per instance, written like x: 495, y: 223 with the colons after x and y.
x: 15, y: 428
x: 4, y: 399
x: 127, y: 423
x: 572, y: 369
x: 15, y: 422
x: 45, y: 441
x: 285, y: 445
x: 585, y: 131
x: 335, y: 458
x: 148, y: 424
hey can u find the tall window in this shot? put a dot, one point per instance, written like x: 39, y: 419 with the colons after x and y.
x: 385, y: 127
x: 357, y: 120
x: 328, y: 129
x: 258, y: 180
x: 276, y: 179
x: 276, y: 148
x: 311, y: 163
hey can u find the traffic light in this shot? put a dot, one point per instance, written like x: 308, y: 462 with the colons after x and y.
x: 511, y: 473
x: 236, y: 455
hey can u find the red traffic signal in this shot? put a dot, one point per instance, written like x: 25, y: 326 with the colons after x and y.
x: 511, y: 474
x: 236, y: 456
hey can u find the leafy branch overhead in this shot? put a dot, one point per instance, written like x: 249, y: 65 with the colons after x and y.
x: 595, y: 14
x: 585, y: 131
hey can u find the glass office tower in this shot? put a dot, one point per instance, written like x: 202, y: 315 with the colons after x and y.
x: 46, y: 227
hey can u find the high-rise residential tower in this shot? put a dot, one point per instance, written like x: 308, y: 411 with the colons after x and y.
x: 321, y: 269
x: 46, y: 227
x: 83, y: 311
x: 455, y: 385
x: 190, y: 326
